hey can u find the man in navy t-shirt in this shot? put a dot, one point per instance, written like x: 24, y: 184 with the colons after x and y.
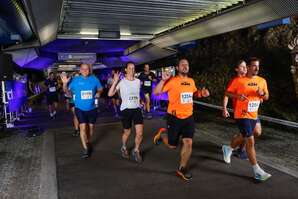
x: 52, y: 94
x: 85, y: 88
x: 147, y: 78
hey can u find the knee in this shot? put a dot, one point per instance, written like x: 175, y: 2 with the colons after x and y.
x: 91, y: 126
x: 126, y: 132
x: 83, y: 128
x: 139, y: 134
x: 187, y: 142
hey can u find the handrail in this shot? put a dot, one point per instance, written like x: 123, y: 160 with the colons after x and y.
x: 262, y: 117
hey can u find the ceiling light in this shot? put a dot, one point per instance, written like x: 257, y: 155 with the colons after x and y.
x: 93, y: 32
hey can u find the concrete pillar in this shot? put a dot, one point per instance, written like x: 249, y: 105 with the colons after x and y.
x: 293, y: 46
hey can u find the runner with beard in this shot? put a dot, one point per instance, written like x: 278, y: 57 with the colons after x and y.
x: 180, y: 121
x: 248, y: 93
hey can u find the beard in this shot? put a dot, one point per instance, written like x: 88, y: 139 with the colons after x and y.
x: 184, y: 72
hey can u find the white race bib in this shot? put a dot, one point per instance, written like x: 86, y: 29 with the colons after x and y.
x: 52, y: 89
x: 186, y: 98
x: 133, y: 99
x: 147, y: 83
x: 253, y: 106
x: 86, y: 95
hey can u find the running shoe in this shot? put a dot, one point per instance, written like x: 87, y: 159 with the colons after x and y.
x: 76, y: 133
x: 183, y: 173
x: 124, y: 153
x: 157, y: 137
x: 85, y: 154
x: 136, y: 155
x: 241, y: 153
x: 227, y: 152
x: 262, y: 177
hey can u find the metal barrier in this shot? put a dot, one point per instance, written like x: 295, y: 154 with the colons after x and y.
x: 262, y: 117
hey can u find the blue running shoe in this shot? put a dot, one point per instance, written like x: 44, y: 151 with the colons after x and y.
x: 242, y: 154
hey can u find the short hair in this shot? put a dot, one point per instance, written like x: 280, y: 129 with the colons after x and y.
x: 180, y: 59
x: 252, y: 59
x: 85, y: 64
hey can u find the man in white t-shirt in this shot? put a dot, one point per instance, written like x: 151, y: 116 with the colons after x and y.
x: 129, y: 88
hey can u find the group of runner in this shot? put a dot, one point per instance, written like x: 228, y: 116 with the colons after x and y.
x: 247, y: 91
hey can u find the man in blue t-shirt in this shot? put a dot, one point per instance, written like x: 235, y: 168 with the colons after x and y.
x: 85, y: 88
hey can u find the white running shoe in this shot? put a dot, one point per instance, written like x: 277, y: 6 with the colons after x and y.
x: 227, y: 152
x: 262, y: 176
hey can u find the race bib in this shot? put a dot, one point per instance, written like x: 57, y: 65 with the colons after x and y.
x: 186, y: 98
x: 147, y: 83
x: 253, y: 106
x: 133, y: 99
x: 85, y: 95
x: 52, y: 89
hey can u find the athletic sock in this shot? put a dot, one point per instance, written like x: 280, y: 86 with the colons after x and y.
x: 258, y: 169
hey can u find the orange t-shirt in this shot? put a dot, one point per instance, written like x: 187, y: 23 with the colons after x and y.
x: 233, y: 99
x: 180, y: 92
x: 247, y: 86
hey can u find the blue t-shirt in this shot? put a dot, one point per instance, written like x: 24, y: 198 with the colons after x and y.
x: 84, y: 90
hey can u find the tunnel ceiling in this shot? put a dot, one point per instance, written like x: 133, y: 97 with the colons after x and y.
x: 14, y: 26
x: 134, y: 17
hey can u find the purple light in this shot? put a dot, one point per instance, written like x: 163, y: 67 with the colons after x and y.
x: 40, y: 63
x: 162, y: 96
x: 22, y: 57
x: 16, y: 94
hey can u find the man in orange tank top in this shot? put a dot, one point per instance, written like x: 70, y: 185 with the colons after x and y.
x: 180, y: 122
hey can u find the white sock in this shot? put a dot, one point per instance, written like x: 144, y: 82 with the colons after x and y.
x: 258, y: 169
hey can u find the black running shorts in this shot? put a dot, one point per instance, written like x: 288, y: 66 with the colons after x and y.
x: 87, y: 117
x: 131, y: 115
x: 179, y: 127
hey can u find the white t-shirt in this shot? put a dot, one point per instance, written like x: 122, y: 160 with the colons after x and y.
x: 129, y: 93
